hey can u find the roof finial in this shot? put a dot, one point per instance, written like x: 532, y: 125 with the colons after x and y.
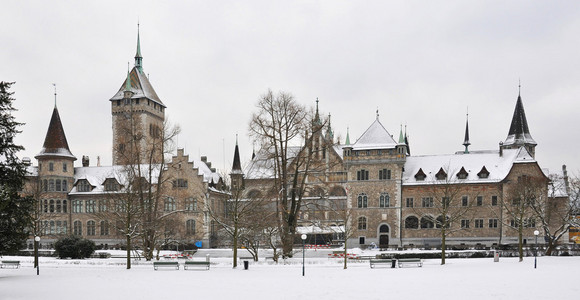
x: 236, y: 139
x: 466, y: 142
x: 377, y: 113
x: 138, y: 57
x: 54, y: 84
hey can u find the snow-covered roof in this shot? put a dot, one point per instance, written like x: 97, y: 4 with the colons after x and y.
x: 375, y: 137
x: 473, y: 162
x: 96, y: 176
x: 140, y: 86
x: 205, y: 171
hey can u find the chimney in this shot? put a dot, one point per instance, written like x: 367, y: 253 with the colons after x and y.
x: 566, y: 180
x: 85, y: 161
x: 98, y: 161
x: 204, y: 159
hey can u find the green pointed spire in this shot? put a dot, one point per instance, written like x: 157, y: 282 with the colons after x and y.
x: 401, y: 136
x: 138, y: 57
x: 347, y: 142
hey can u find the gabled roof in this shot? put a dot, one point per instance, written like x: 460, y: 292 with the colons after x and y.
x: 473, y: 163
x: 375, y: 137
x: 55, y: 143
x: 519, y: 133
x: 140, y: 86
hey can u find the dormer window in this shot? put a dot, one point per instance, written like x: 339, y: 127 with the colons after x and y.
x: 462, y: 174
x: 420, y: 176
x: 484, y: 173
x: 84, y: 186
x: 441, y: 175
x: 111, y: 185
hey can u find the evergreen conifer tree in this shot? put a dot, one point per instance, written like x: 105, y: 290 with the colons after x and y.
x: 15, y: 211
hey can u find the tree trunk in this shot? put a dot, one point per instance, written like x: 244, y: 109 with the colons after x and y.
x: 345, y: 259
x: 443, y: 244
x: 128, y: 251
x: 235, y: 246
x: 520, y: 242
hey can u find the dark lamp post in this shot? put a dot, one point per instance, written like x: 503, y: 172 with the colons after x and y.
x: 303, y: 250
x: 36, y: 240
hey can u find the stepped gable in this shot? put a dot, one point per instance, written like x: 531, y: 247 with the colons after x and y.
x: 55, y: 143
x: 375, y: 137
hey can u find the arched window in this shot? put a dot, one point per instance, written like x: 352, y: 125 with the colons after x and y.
x: 412, y: 222
x: 440, y: 222
x: 384, y: 228
x: 64, y: 206
x: 91, y: 228
x: 362, y: 200
x: 384, y: 200
x: 45, y: 208
x: 77, y: 228
x: 362, y: 223
x: 58, y: 206
x: 190, y: 226
x: 427, y: 222
x: 51, y: 185
x: 45, y: 185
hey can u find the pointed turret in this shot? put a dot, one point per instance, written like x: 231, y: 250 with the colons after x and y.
x: 401, y: 137
x: 466, y: 142
x: 347, y: 142
x: 407, y: 141
x: 519, y: 133
x: 138, y: 57
x: 237, y: 175
x: 316, y: 121
x: 329, y: 133
x: 55, y: 143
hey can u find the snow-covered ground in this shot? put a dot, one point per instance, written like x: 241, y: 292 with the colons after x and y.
x: 555, y: 278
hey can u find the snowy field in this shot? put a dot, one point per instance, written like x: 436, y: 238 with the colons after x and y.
x: 481, y: 278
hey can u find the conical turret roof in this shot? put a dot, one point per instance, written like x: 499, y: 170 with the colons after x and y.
x: 55, y: 143
x: 519, y: 133
x: 237, y: 166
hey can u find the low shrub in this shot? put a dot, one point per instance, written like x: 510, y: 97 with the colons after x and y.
x: 74, y: 247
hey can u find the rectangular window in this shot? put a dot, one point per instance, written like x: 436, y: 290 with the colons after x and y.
x: 77, y: 206
x: 362, y: 175
x: 90, y: 206
x: 492, y: 223
x: 384, y: 174
x: 103, y: 203
x: 464, y: 201
x: 409, y: 202
x: 51, y: 166
x: 479, y: 223
x: 464, y: 223
x: 445, y: 201
x: 479, y: 200
x: 427, y: 201
x: 64, y: 167
x: 180, y: 183
x: 361, y: 240
x: 493, y: 200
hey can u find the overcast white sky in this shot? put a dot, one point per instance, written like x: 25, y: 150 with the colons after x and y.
x: 421, y: 63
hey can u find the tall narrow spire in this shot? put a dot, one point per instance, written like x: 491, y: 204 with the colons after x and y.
x: 347, y: 142
x: 236, y: 166
x: 466, y: 142
x: 317, y: 115
x: 329, y: 133
x: 138, y: 57
x: 407, y: 141
x: 401, y: 137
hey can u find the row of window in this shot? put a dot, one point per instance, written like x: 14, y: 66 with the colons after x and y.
x: 442, y: 175
x: 384, y: 200
x: 412, y: 222
x: 53, y: 206
x: 52, y: 227
x: 55, y: 185
x: 104, y: 228
x: 103, y: 205
x: 127, y: 101
x: 399, y: 150
x: 51, y: 167
x: 363, y: 174
x: 428, y: 201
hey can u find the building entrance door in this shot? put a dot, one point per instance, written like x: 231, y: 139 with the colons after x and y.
x: 383, y: 241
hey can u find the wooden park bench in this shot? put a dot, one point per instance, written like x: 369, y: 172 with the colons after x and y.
x: 193, y: 263
x: 381, y: 261
x: 15, y: 264
x: 407, y: 261
x: 162, y: 264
